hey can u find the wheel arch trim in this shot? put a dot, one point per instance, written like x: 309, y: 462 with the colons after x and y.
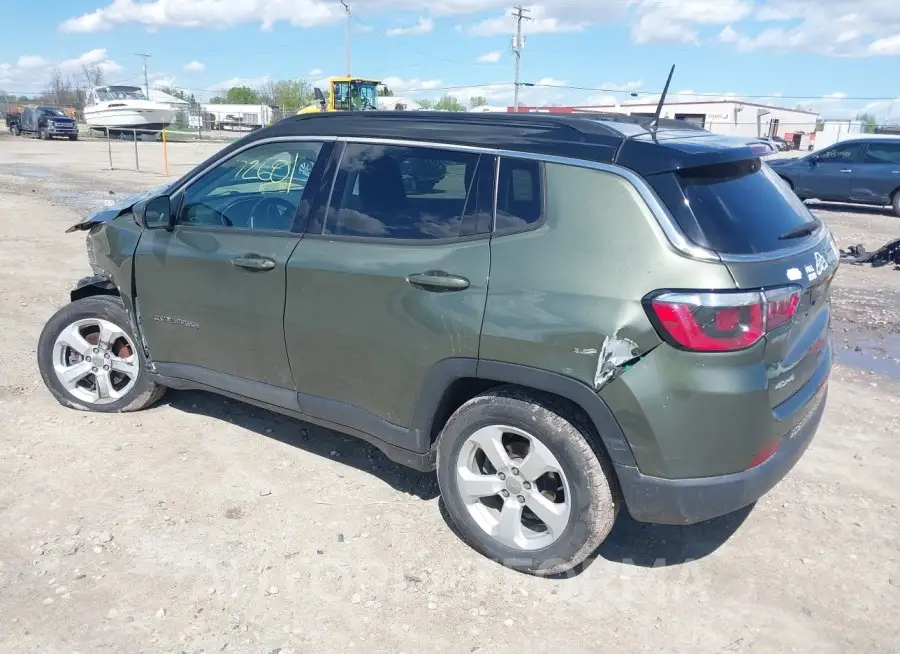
x: 443, y: 374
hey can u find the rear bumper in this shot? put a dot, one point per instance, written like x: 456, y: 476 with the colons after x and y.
x: 688, y: 501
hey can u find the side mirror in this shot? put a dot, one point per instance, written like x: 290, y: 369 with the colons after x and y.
x: 154, y: 213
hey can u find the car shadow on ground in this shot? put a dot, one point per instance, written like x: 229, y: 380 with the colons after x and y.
x: 656, y: 546
x: 646, y: 545
x: 308, y: 437
x: 838, y: 207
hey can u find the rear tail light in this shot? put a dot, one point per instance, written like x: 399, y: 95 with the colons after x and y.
x: 722, y: 321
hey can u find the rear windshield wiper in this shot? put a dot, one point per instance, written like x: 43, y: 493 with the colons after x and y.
x: 803, y: 230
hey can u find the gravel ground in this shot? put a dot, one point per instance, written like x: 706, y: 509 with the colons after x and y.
x: 207, y: 525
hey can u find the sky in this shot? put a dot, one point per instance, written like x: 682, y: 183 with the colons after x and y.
x: 837, y: 57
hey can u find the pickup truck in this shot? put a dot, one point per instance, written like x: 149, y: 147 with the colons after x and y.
x: 47, y: 122
x: 12, y: 122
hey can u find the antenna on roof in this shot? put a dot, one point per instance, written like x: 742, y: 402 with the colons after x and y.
x: 662, y: 100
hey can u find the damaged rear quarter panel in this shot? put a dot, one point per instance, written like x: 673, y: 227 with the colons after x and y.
x: 566, y: 297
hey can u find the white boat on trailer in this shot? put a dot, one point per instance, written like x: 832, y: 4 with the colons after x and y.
x: 122, y: 109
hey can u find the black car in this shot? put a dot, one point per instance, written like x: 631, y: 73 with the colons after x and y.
x: 47, y: 123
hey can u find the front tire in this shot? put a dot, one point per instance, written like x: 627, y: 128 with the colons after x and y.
x: 73, y: 137
x: 43, y: 134
x: 896, y: 202
x: 90, y: 360
x: 523, y: 482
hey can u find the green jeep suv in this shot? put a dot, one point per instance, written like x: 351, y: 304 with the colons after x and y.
x: 582, y: 313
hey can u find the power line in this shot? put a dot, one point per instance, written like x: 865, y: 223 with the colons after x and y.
x: 518, y: 44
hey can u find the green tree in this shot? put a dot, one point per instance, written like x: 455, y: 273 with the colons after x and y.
x: 449, y: 103
x: 869, y: 122
x: 218, y: 99
x: 477, y: 101
x: 293, y: 95
x: 425, y: 103
x: 242, y: 95
x: 385, y: 92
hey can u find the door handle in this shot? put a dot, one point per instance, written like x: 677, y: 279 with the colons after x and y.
x: 254, y: 262
x: 895, y: 172
x: 846, y: 170
x: 438, y: 280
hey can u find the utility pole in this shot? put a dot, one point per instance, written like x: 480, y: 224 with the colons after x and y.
x: 347, y: 36
x: 518, y: 44
x: 146, y: 82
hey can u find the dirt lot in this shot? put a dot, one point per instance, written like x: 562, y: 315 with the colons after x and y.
x: 207, y: 525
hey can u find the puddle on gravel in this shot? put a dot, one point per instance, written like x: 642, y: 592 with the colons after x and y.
x: 870, y: 351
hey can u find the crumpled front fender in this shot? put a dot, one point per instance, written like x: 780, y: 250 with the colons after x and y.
x: 93, y: 285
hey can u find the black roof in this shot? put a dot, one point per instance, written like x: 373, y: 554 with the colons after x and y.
x: 598, y: 137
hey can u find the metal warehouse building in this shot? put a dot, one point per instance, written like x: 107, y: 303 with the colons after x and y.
x: 731, y: 117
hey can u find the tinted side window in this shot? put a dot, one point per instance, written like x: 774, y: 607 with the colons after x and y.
x: 400, y: 192
x: 259, y: 188
x: 840, y: 153
x: 520, y: 196
x: 883, y: 153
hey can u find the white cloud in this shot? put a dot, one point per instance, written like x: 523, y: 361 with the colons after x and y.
x: 30, y: 62
x: 489, y: 57
x: 95, y: 57
x: 836, y: 28
x: 410, y: 85
x: 195, y: 66
x: 542, y: 21
x: 676, y: 21
x: 206, y: 13
x: 830, y: 27
x: 31, y: 72
x: 315, y: 72
x: 158, y: 80
x: 423, y: 26
x: 887, y: 46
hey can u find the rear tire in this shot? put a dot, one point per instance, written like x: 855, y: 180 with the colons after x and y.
x: 539, y: 502
x: 82, y: 371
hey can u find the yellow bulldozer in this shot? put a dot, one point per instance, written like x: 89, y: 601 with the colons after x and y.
x: 346, y: 94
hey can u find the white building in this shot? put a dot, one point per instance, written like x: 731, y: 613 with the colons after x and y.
x: 837, y: 130
x: 237, y: 117
x: 732, y: 117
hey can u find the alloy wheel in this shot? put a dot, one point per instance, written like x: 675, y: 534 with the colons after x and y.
x: 513, y: 487
x: 95, y: 361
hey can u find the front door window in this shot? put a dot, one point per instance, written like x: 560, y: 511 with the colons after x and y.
x: 258, y: 189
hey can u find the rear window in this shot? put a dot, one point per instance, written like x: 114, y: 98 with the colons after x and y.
x: 739, y: 207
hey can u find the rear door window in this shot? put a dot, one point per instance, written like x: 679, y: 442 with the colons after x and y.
x: 405, y: 193
x: 883, y: 153
x: 738, y: 207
